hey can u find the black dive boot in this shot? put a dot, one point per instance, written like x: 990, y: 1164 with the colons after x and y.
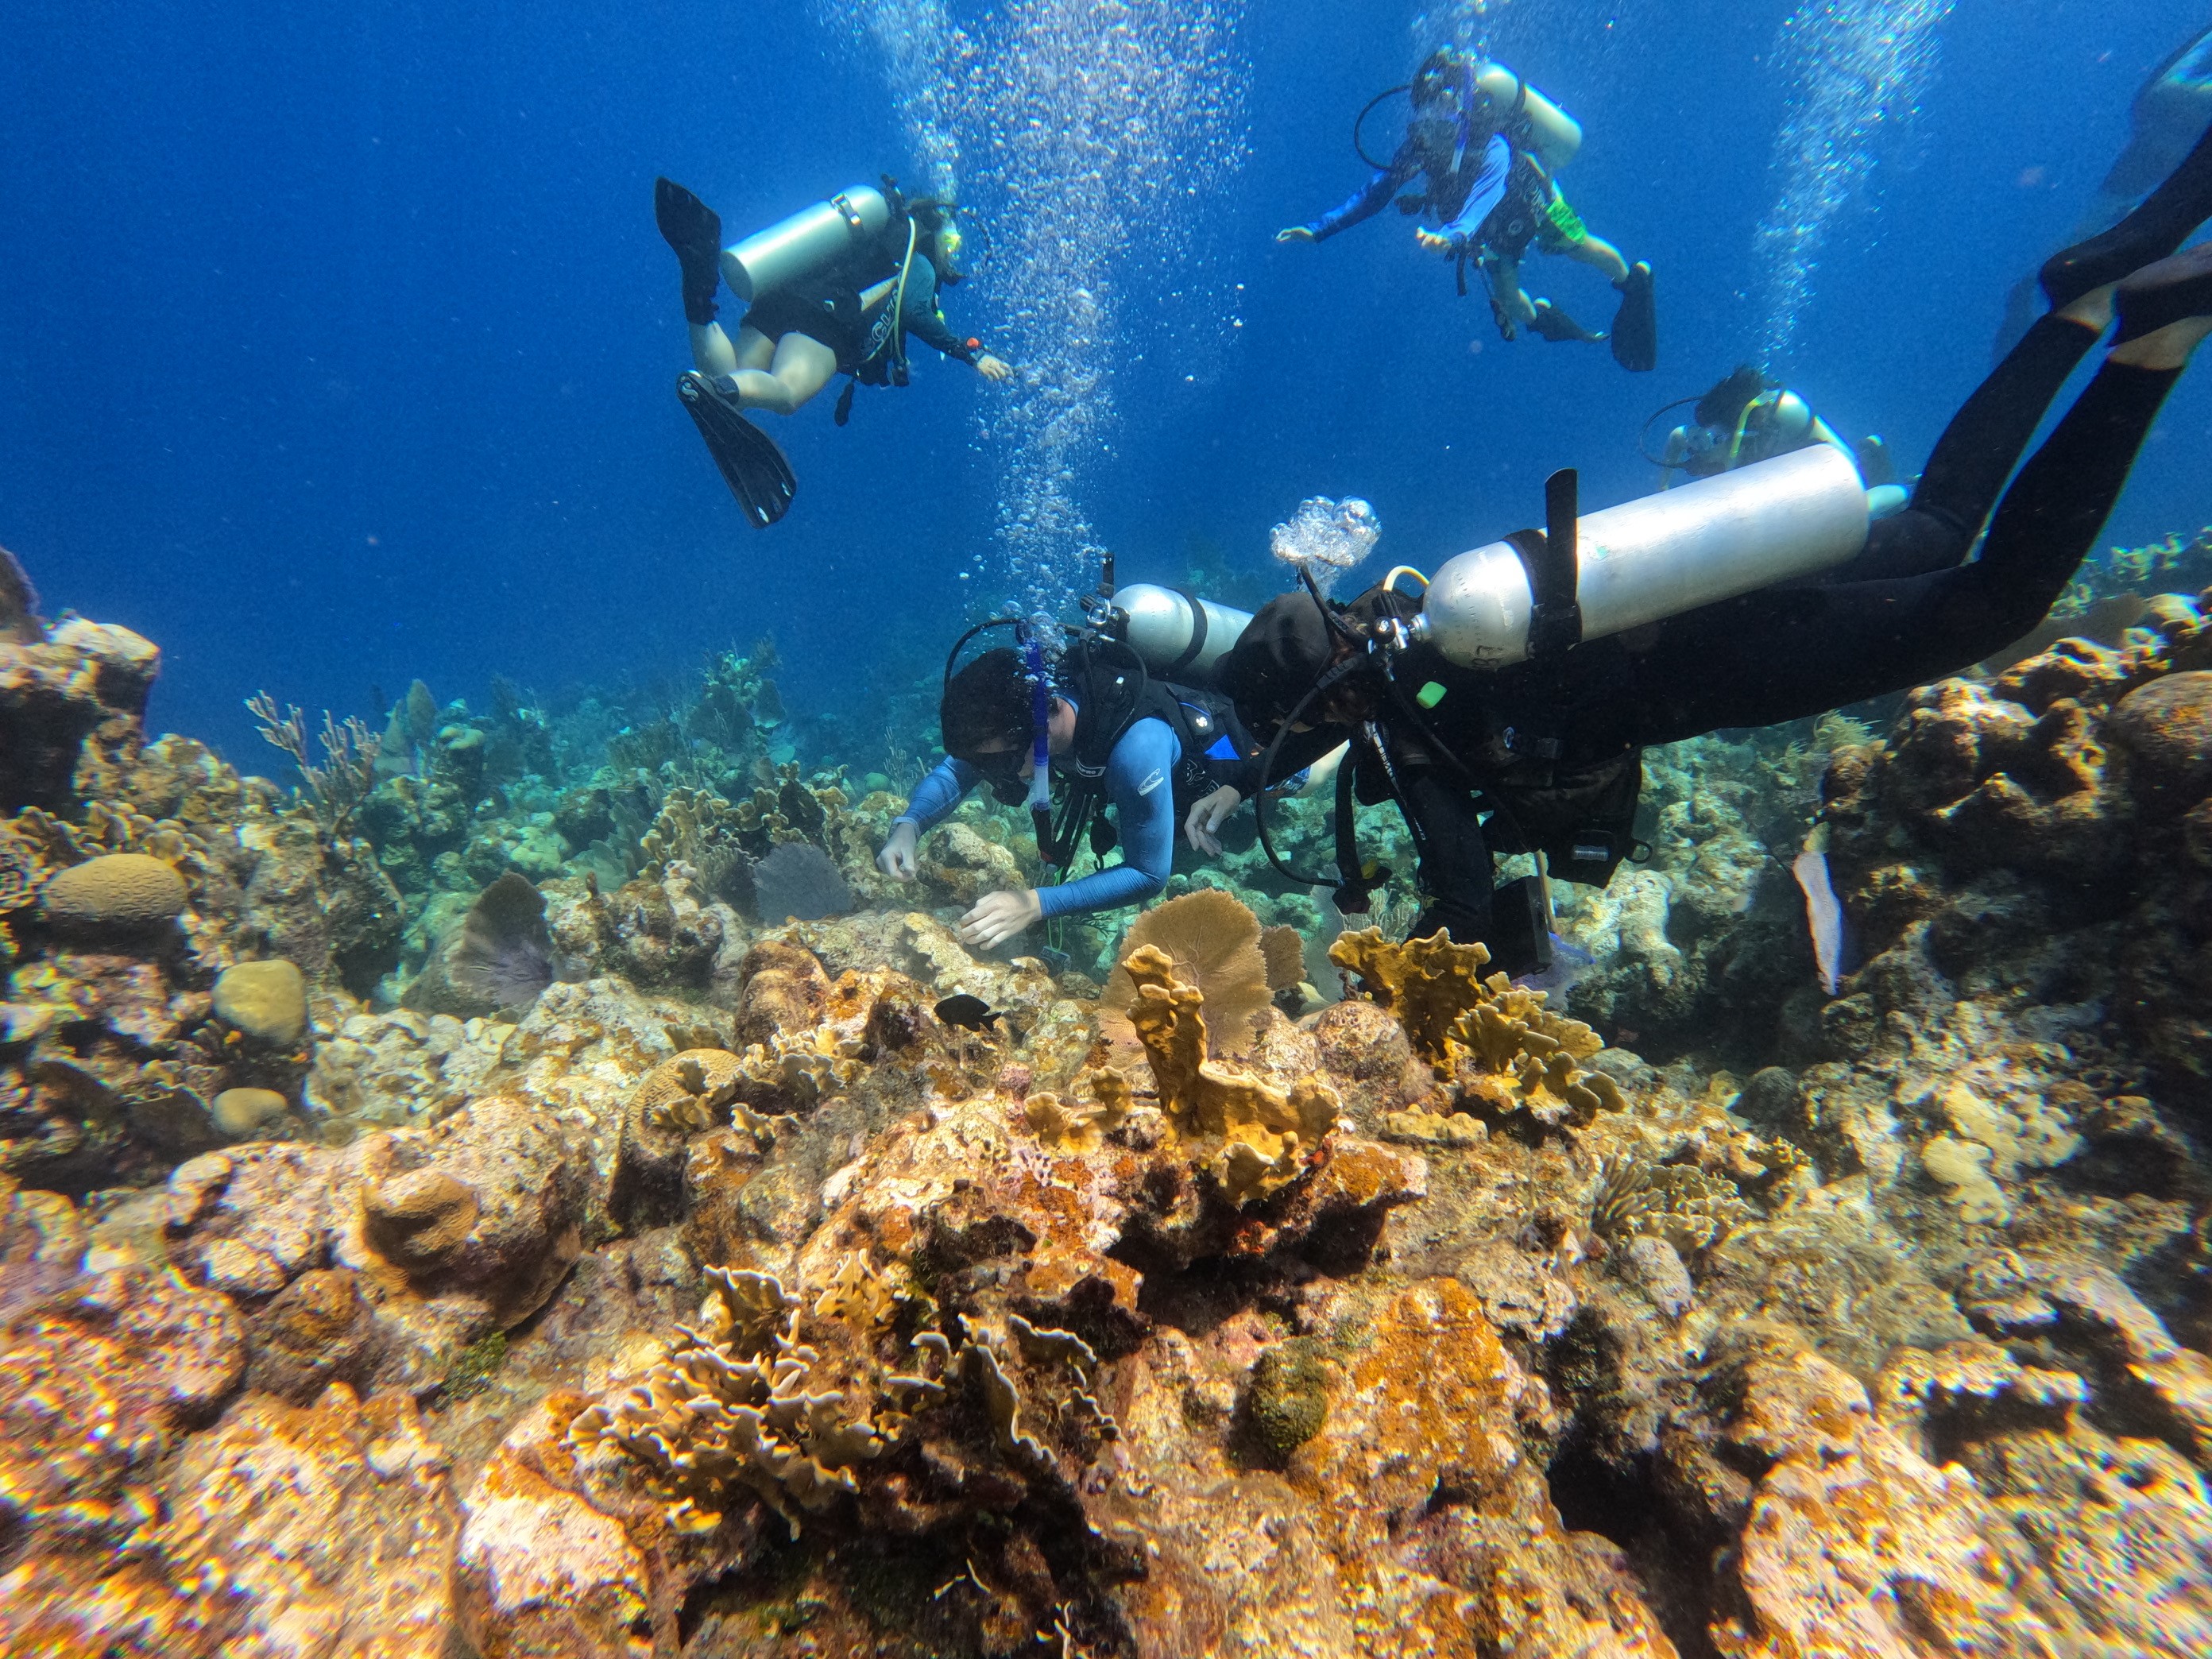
x: 695, y: 231
x: 2162, y: 224
x: 2166, y: 293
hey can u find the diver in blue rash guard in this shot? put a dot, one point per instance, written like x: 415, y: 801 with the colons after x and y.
x: 1142, y: 752
x: 1486, y: 146
x: 2171, y: 111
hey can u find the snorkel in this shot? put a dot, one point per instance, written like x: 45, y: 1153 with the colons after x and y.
x: 1040, y: 800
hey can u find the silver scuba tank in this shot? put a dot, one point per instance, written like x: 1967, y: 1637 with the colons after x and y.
x: 793, y: 248
x: 1661, y: 555
x: 1177, y: 635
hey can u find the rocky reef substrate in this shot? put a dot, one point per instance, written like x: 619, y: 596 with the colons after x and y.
x: 428, y: 1230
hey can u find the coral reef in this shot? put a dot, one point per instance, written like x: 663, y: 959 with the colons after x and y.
x: 453, y: 1218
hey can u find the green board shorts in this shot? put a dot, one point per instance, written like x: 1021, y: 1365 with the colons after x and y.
x: 1559, y: 227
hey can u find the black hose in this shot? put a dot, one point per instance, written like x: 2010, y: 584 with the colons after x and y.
x: 1360, y: 119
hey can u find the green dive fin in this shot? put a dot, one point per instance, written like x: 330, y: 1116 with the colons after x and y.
x: 1636, y: 325
x: 750, y: 464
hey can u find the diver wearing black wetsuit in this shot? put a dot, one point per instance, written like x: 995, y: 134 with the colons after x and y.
x: 1554, y: 744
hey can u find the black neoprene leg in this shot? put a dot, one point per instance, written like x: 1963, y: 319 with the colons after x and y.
x: 1972, y: 458
x: 1786, y: 654
x: 1457, y: 873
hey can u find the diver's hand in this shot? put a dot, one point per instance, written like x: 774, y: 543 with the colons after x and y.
x: 997, y: 917
x: 1207, y: 814
x: 896, y: 860
x: 1436, y: 241
x: 993, y: 368
x: 1295, y: 233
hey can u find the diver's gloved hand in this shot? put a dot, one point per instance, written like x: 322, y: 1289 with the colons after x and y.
x: 997, y: 917
x: 896, y: 860
x: 1206, y: 815
x: 1295, y: 233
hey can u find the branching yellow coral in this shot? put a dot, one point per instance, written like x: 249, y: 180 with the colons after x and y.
x: 730, y: 1408
x: 790, y: 1397
x: 1264, y: 1135
x: 1069, y: 1128
x: 1678, y: 1202
x: 1498, y: 1044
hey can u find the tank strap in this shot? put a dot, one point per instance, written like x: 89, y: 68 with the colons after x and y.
x: 850, y: 214
x: 1198, y: 626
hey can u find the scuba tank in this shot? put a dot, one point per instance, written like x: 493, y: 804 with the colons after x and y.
x: 1175, y: 634
x: 1553, y: 134
x: 794, y: 248
x: 1646, y: 559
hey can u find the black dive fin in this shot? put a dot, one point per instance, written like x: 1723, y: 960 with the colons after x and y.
x: 695, y: 231
x: 750, y: 464
x: 1636, y: 325
x: 692, y: 227
x: 1555, y: 325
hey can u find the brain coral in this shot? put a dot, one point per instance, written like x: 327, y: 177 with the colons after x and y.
x: 117, y: 890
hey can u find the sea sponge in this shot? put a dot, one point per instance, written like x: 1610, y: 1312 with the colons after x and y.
x: 1212, y: 943
x: 115, y: 892
x: 264, y: 999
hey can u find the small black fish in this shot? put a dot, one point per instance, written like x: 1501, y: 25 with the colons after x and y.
x: 973, y: 1012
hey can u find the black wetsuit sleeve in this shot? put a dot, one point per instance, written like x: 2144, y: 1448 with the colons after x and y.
x: 923, y: 319
x: 1786, y: 653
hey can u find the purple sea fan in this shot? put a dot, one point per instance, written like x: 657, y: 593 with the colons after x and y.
x: 798, y: 880
x: 504, y: 954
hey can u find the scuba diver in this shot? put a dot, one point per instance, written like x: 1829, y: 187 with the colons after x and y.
x: 1746, y: 418
x: 1508, y: 707
x: 1098, y: 722
x: 1488, y: 146
x: 834, y: 289
x: 2171, y: 111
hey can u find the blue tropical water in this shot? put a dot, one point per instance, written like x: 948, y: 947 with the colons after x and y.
x: 338, y: 344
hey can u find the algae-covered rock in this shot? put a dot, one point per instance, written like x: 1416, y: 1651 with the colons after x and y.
x: 2166, y: 727
x: 1288, y: 1401
x: 263, y: 1000
x: 116, y: 892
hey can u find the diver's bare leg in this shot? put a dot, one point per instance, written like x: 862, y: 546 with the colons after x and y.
x: 1506, y: 288
x: 711, y: 351
x: 801, y: 366
x: 1596, y: 252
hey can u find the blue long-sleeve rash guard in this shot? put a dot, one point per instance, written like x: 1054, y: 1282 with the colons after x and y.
x: 1139, y: 784
x: 1483, y: 188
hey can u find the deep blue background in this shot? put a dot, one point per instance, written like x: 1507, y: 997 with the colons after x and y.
x: 335, y: 345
